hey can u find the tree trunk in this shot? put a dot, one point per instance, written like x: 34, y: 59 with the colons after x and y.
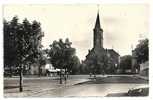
x: 65, y: 77
x: 60, y: 76
x: 95, y: 74
x: 67, y: 74
x: 10, y: 73
x: 21, y: 80
x: 39, y: 70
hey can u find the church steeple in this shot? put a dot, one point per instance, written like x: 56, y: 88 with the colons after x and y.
x: 97, y: 25
x: 98, y: 33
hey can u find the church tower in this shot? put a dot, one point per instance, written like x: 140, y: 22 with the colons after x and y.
x: 100, y: 60
x: 98, y: 34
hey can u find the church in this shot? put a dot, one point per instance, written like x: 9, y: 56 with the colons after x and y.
x: 100, y: 60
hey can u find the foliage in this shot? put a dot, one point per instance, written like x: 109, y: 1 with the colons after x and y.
x: 75, y: 65
x: 9, y: 43
x: 142, y: 51
x: 96, y: 64
x: 62, y: 55
x: 126, y: 62
x: 22, y: 42
x: 41, y: 61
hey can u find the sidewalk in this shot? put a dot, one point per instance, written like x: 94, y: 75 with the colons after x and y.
x: 36, y: 89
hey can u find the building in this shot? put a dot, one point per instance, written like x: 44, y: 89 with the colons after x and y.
x: 51, y: 70
x: 101, y: 60
x: 34, y: 69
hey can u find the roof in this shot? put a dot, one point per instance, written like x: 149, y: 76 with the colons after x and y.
x: 54, y: 70
x: 112, y: 51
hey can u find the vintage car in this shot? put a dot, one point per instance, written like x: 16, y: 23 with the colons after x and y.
x: 138, y: 91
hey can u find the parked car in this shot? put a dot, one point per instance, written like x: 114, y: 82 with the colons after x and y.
x: 138, y: 91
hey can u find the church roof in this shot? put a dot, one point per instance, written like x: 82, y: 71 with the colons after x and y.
x: 112, y: 51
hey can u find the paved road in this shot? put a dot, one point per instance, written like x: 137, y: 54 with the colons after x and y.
x: 98, y: 87
x: 46, y: 87
x: 88, y: 90
x: 35, y: 85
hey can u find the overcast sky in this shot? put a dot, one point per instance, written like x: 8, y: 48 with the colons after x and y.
x: 123, y: 24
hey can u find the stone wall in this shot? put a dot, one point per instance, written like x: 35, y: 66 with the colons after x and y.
x: 144, y: 68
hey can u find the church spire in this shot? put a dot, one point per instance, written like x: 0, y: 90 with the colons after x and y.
x: 97, y: 25
x: 98, y: 33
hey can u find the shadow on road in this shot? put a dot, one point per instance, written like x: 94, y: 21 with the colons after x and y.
x: 10, y: 87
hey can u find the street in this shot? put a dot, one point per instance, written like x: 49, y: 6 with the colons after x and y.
x: 88, y: 90
x: 76, y: 85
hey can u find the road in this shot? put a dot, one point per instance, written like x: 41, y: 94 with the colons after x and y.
x: 88, y: 90
x: 52, y: 88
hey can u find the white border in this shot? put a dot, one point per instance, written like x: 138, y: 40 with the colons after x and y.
x: 80, y: 2
x: 73, y: 1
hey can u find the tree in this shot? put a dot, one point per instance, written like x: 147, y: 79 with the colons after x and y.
x: 84, y: 68
x: 96, y: 63
x: 126, y: 62
x: 10, y: 58
x: 62, y: 55
x: 75, y: 65
x: 41, y: 62
x: 25, y: 41
x: 142, y: 51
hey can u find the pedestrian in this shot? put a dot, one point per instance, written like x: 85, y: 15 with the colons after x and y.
x: 65, y: 78
x: 67, y: 73
x: 90, y: 74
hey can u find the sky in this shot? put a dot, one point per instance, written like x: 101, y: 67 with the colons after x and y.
x: 123, y: 24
